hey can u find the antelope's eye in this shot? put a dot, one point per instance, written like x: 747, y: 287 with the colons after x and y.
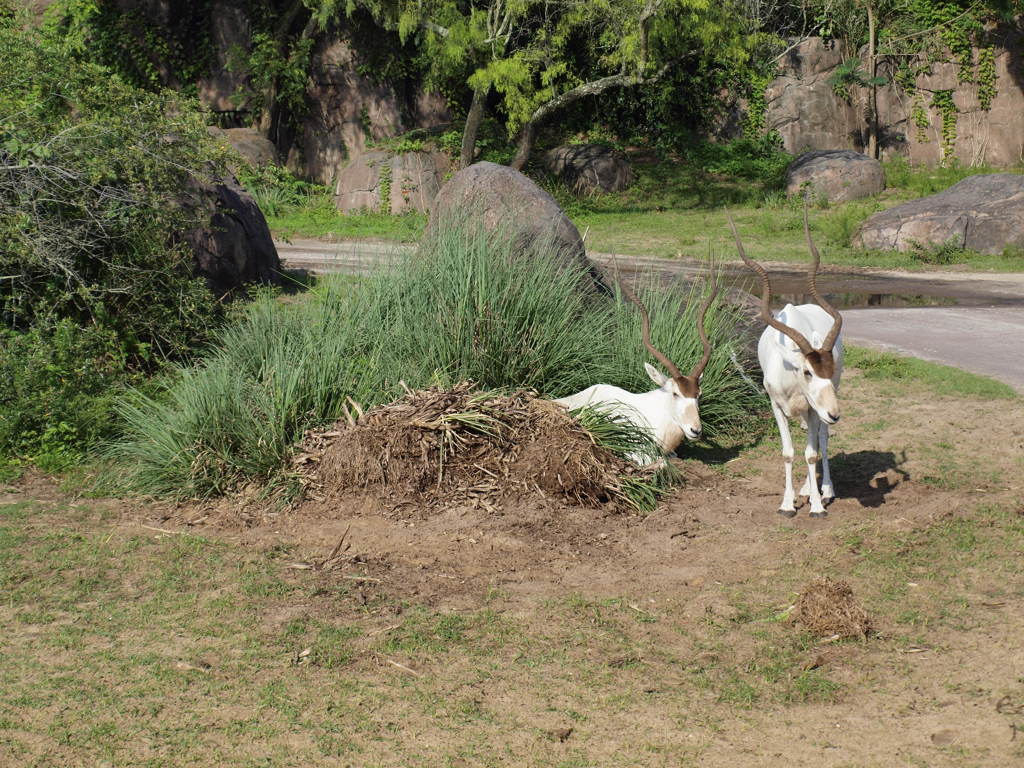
x: 807, y: 374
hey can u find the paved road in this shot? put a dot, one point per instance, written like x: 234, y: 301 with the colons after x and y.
x: 988, y: 340
x: 984, y: 333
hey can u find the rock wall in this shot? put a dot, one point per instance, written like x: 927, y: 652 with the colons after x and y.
x: 348, y: 109
x: 229, y: 27
x: 802, y: 106
x: 809, y: 115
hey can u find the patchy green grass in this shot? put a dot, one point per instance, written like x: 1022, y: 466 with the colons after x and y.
x: 128, y: 646
x: 674, y: 210
x: 922, y: 577
x: 318, y: 218
x: 942, y: 379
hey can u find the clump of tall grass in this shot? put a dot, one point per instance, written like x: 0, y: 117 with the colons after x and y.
x: 841, y: 224
x: 468, y: 307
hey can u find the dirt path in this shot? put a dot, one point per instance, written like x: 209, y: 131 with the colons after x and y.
x: 360, y: 257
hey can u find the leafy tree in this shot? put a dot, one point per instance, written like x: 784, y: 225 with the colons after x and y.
x: 541, y: 56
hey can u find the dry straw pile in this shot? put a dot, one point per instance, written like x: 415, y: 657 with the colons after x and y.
x: 436, y: 447
x: 828, y: 609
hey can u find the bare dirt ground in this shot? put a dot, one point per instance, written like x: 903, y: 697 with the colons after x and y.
x: 535, y: 634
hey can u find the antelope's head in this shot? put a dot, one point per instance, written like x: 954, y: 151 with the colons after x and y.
x: 684, y: 391
x: 816, y: 364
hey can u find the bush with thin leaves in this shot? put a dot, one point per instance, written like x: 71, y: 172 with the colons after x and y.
x: 467, y: 307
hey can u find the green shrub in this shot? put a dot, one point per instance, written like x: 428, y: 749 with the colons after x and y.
x: 91, y: 181
x: 57, y: 387
x: 95, y: 281
x: 758, y: 159
x: 468, y: 308
x: 949, y: 252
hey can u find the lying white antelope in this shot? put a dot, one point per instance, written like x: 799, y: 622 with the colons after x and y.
x: 668, y: 413
x: 801, y: 356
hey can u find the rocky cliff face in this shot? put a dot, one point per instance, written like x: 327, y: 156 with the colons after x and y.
x: 346, y: 108
x: 802, y: 106
x: 809, y: 115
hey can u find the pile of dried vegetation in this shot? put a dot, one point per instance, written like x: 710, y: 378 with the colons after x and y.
x: 435, y: 447
x: 828, y: 608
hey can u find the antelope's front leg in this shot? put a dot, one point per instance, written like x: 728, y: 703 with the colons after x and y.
x: 787, y: 508
x: 811, y: 455
x: 826, y: 479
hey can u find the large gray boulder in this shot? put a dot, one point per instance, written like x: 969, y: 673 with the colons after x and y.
x: 235, y: 247
x: 835, y: 175
x: 589, y: 168
x: 255, y: 148
x: 500, y: 200
x: 388, y: 183
x: 982, y: 213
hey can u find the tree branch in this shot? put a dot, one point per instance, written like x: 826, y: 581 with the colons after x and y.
x: 592, y: 88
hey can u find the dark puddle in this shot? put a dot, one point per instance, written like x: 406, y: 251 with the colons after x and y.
x: 864, y: 292
x: 861, y: 300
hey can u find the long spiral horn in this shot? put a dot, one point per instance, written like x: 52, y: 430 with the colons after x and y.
x: 766, y: 295
x: 812, y: 284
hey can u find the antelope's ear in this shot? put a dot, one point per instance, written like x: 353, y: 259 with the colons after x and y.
x: 816, y: 340
x: 655, y: 374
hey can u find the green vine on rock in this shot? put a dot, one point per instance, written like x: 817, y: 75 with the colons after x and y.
x: 384, y: 187
x: 919, y: 117
x: 943, y: 101
x: 146, y: 54
x: 757, y: 105
x: 986, y: 76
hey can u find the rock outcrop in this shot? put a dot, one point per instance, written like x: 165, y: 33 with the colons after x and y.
x: 589, y: 168
x: 255, y: 148
x: 809, y: 114
x: 802, y: 106
x: 835, y: 175
x: 501, y: 200
x: 235, y: 248
x: 381, y: 181
x: 982, y: 213
x: 348, y: 109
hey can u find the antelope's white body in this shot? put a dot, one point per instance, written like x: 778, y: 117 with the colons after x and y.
x: 796, y: 391
x: 664, y: 413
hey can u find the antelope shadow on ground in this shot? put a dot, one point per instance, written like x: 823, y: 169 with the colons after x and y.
x: 868, y: 476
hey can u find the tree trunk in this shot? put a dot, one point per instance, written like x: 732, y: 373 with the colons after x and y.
x: 872, y: 88
x: 473, y: 120
x: 529, y: 129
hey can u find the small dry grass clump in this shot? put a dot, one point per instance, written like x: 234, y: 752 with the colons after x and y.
x: 437, y: 446
x: 828, y: 609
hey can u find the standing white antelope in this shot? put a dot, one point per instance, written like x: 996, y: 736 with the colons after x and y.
x: 801, y: 355
x: 668, y: 413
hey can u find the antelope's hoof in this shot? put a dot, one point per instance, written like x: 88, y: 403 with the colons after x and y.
x: 823, y: 513
x: 787, y: 512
